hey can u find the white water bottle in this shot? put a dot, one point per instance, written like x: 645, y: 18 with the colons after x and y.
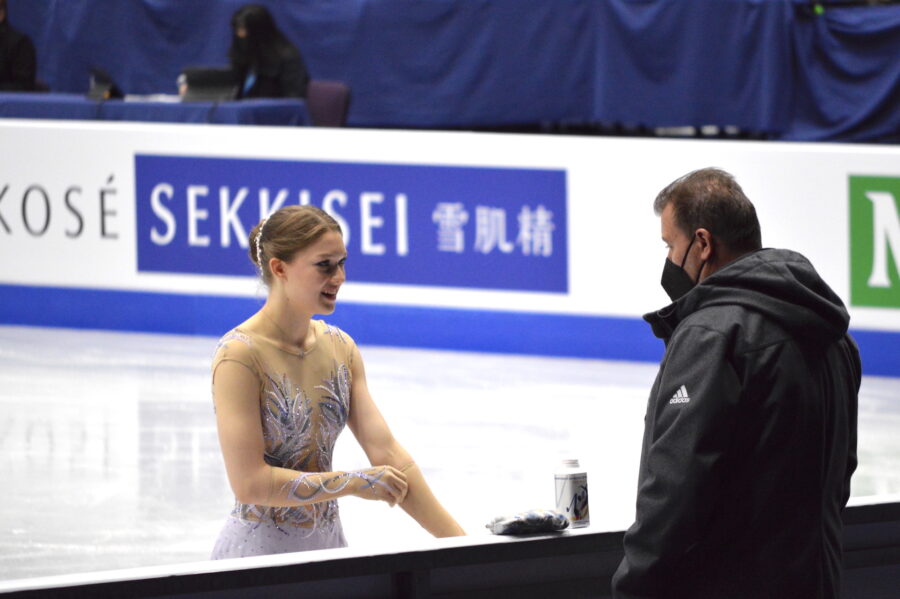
x: 572, y: 493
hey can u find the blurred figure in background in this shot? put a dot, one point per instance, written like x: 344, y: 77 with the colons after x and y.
x: 18, y: 64
x: 266, y: 63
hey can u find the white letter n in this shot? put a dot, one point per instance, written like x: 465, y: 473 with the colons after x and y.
x: 885, y: 231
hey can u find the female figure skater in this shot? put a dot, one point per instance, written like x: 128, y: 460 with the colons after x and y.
x: 284, y: 386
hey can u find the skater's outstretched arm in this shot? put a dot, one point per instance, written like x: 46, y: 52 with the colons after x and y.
x: 376, y: 439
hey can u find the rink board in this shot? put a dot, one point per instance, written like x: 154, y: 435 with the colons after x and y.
x: 510, y: 243
x: 576, y: 563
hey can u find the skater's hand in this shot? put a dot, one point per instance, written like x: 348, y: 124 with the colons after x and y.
x: 382, y: 483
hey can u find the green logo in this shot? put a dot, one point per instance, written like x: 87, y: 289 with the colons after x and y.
x: 875, y: 241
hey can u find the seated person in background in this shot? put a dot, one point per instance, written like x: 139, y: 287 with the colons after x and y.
x: 266, y: 63
x: 17, y: 57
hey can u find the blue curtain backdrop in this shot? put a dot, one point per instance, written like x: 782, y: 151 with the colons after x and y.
x: 768, y: 66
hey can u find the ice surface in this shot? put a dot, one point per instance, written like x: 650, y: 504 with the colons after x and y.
x: 110, y: 457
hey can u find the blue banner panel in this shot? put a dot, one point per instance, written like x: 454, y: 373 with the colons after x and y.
x: 494, y: 331
x: 474, y: 227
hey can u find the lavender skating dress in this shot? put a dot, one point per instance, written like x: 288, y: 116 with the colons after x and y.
x: 304, y: 402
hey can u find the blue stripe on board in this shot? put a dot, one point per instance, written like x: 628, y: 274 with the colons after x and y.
x: 374, y: 324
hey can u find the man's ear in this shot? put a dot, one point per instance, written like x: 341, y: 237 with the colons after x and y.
x: 705, y: 241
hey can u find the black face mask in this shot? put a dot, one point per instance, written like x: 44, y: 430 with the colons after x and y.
x: 675, y: 279
x: 242, y: 44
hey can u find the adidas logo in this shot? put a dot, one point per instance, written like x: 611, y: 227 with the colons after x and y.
x: 681, y: 396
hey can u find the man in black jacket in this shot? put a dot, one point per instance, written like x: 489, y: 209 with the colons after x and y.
x: 750, y: 432
x: 17, y: 57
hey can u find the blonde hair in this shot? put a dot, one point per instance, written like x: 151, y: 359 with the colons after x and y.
x: 286, y: 232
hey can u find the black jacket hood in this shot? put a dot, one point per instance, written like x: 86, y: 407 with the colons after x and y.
x: 781, y: 285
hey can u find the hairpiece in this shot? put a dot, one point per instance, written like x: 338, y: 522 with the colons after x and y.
x: 259, y: 260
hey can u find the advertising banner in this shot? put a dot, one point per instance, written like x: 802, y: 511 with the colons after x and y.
x: 485, y: 228
x: 488, y: 242
x: 875, y: 241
